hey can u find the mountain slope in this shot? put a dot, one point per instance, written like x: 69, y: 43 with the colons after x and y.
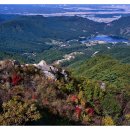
x: 103, y: 68
x: 28, y: 35
x: 32, y: 32
x: 121, y: 53
x: 41, y: 94
x: 120, y: 27
x: 28, y: 31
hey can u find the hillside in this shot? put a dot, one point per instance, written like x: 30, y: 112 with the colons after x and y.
x: 36, y: 29
x: 120, y: 27
x: 121, y: 53
x: 41, y: 94
x: 29, y: 33
x: 31, y: 38
x: 103, y: 68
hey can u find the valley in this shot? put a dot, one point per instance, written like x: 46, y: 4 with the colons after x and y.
x: 22, y: 35
x: 65, y: 65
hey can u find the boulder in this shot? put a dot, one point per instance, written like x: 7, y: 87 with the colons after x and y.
x: 103, y: 86
x: 43, y: 66
x: 16, y: 63
x: 6, y: 64
x: 50, y: 71
x: 49, y: 75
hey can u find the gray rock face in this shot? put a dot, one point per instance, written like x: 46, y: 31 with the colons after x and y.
x: 50, y: 71
x: 46, y: 69
x: 15, y: 63
x: 103, y: 86
x: 6, y: 64
x: 49, y: 75
x: 43, y: 66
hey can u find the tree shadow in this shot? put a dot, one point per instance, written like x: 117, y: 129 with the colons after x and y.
x: 50, y: 119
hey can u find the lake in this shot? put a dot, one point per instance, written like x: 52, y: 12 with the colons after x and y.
x: 106, y: 38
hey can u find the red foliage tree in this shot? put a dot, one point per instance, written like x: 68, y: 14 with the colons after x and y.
x: 90, y: 111
x: 74, y: 98
x: 78, y: 111
x: 16, y: 79
x: 34, y: 96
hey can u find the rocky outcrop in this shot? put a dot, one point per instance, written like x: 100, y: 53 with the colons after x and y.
x: 8, y: 64
x: 49, y: 71
x: 68, y: 57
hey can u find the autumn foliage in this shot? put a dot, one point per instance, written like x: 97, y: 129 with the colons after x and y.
x: 32, y: 98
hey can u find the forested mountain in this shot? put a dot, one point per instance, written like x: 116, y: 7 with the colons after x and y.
x: 27, y: 31
x: 20, y: 33
x: 120, y: 53
x: 120, y: 27
x: 103, y: 68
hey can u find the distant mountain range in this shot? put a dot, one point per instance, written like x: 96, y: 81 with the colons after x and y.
x: 100, y: 13
x: 119, y: 27
x: 31, y: 30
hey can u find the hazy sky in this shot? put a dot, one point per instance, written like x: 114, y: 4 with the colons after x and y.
x: 64, y: 1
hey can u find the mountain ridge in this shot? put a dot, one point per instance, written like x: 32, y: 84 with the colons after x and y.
x: 75, y: 101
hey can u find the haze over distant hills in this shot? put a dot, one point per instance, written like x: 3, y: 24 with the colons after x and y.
x: 100, y: 13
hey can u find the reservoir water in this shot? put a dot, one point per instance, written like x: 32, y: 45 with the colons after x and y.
x: 106, y: 38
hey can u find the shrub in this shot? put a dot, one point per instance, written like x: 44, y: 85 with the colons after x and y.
x: 69, y: 87
x: 107, y: 121
x: 127, y: 117
x: 17, y: 112
x: 110, y: 105
x: 16, y: 79
x: 92, y: 91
